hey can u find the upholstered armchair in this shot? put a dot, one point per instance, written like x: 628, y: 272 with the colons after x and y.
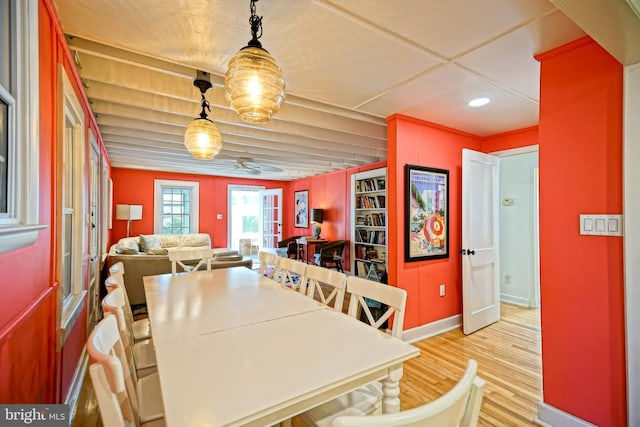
x: 290, y: 244
x: 330, y: 254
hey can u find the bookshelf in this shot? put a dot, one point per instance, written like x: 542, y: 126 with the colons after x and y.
x: 369, y: 224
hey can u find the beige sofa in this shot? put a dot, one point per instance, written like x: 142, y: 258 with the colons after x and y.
x: 147, y: 255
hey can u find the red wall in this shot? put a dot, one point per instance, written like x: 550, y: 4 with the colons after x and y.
x: 331, y: 192
x: 32, y: 369
x: 582, y: 301
x: 509, y: 140
x: 131, y: 186
x: 413, y: 141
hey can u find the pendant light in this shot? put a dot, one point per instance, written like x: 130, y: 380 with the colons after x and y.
x: 254, y: 85
x: 202, y: 138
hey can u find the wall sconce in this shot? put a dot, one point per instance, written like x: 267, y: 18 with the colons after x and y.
x: 130, y: 213
x: 316, y: 219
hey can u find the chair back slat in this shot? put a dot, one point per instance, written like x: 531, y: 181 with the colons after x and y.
x: 363, y: 290
x: 268, y: 263
x: 203, y: 256
x: 105, y: 347
x: 319, y: 278
x: 291, y: 274
x: 460, y: 406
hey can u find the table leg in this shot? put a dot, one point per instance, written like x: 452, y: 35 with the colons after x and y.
x: 391, y: 391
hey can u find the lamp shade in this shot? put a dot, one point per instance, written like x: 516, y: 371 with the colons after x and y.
x: 202, y: 139
x: 129, y: 212
x: 317, y: 215
x: 254, y: 85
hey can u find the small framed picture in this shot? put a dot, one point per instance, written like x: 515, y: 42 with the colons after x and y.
x: 427, y: 213
x: 301, y: 211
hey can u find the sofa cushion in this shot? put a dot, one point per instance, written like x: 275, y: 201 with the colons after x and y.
x: 161, y: 251
x: 195, y: 240
x: 170, y: 240
x: 148, y: 242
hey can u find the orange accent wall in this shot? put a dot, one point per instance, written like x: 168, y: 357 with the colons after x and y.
x: 136, y: 187
x: 331, y: 192
x: 509, y: 140
x: 582, y: 300
x: 413, y: 141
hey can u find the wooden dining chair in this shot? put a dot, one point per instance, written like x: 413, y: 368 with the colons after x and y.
x: 141, y: 354
x: 290, y: 274
x: 112, y: 411
x: 268, y: 263
x: 140, y: 398
x: 460, y: 406
x: 329, y: 285
x: 203, y: 256
x: 140, y: 328
x: 365, y: 400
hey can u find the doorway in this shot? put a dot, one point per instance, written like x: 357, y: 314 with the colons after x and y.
x: 244, y: 215
x: 518, y: 213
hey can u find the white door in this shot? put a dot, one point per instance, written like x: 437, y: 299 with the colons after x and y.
x: 480, y: 241
x: 271, y: 214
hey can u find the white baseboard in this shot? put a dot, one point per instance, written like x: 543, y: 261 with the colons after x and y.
x: 551, y: 416
x: 512, y: 299
x: 431, y: 329
x: 76, y: 383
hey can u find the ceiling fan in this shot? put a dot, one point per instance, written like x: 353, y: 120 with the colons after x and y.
x: 252, y: 167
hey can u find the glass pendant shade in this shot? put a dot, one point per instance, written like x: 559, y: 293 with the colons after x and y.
x: 202, y: 139
x: 254, y: 85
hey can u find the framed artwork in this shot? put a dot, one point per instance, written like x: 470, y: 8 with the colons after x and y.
x: 427, y: 213
x: 301, y: 211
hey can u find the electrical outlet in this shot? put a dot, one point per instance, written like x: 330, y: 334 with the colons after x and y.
x: 441, y: 289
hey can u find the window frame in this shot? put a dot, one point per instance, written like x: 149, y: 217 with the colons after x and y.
x: 20, y: 225
x: 193, y: 186
x: 71, y: 304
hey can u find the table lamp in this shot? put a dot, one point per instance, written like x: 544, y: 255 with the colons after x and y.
x: 129, y: 212
x: 316, y: 219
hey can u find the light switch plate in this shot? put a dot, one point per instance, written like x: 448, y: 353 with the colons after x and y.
x: 601, y: 225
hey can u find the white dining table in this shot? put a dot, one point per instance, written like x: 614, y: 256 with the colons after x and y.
x: 235, y: 348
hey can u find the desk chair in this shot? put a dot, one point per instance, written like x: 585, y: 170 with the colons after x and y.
x: 330, y: 254
x: 319, y: 278
x: 141, y: 328
x: 365, y: 400
x: 140, y: 399
x: 460, y: 406
x: 291, y: 245
x: 203, y: 256
x: 142, y: 354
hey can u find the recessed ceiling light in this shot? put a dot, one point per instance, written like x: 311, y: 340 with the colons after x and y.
x: 479, y: 102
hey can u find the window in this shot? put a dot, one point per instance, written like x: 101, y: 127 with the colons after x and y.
x: 18, y: 124
x: 176, y: 207
x: 72, y: 233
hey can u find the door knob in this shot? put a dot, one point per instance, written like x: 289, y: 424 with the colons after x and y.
x: 462, y: 251
x: 471, y: 252
x: 467, y: 251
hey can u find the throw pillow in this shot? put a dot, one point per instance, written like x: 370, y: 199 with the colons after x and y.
x: 149, y: 242
x: 195, y: 240
x: 123, y: 250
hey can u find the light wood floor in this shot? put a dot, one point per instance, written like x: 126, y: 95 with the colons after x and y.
x: 509, y: 360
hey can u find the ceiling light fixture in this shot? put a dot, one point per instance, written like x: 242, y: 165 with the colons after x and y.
x: 479, y: 102
x: 202, y: 137
x: 253, y: 84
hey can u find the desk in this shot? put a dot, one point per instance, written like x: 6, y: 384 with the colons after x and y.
x: 304, y: 248
x: 234, y: 348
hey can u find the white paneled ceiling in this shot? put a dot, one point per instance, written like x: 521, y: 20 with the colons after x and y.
x: 348, y: 64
